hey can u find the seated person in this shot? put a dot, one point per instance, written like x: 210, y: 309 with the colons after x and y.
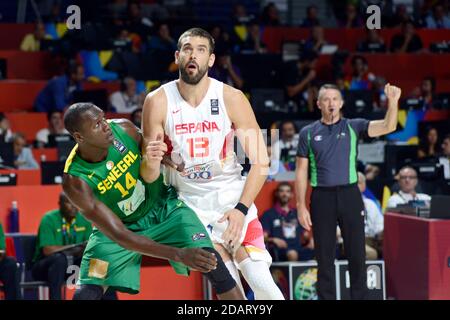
x: 127, y: 99
x: 372, y: 43
x: 6, y: 134
x: 360, y: 78
x: 316, y: 40
x: 163, y: 41
x: 438, y: 19
x: 407, y: 181
x: 55, y: 126
x: 374, y: 223
x: 58, y: 93
x: 32, y: 41
x: 225, y: 71
x: 58, y: 230
x: 285, y: 149
x: 9, y: 273
x: 23, y: 157
x: 283, y: 231
x: 428, y: 145
x: 406, y: 41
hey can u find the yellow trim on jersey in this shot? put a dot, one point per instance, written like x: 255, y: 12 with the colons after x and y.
x: 70, y: 158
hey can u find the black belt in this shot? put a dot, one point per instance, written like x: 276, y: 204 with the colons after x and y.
x: 336, y: 188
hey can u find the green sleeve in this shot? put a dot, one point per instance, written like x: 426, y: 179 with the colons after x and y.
x: 47, y: 234
x: 2, y: 239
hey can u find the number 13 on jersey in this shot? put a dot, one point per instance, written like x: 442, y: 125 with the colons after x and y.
x: 198, y: 147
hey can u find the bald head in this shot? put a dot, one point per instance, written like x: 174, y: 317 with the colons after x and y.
x: 73, y: 118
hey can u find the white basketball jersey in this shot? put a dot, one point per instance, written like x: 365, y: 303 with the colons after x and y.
x: 202, y: 138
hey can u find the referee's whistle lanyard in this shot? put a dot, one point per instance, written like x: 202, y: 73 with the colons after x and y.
x: 68, y: 231
x: 406, y: 201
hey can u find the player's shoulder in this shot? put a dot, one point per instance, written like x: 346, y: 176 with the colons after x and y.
x: 231, y: 93
x: 156, y: 96
x: 309, y: 127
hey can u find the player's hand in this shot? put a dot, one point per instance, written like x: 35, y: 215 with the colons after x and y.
x: 198, y: 259
x: 280, y: 243
x: 155, y: 150
x: 2, y: 255
x: 304, y: 218
x: 232, y: 234
x: 392, y: 92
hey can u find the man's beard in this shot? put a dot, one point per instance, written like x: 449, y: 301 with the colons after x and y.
x: 193, y: 80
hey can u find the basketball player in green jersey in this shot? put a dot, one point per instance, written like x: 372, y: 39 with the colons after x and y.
x: 133, y: 215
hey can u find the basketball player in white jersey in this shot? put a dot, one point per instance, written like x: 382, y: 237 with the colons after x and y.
x: 199, y: 116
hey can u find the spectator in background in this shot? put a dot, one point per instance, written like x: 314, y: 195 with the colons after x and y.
x: 351, y: 18
x: 136, y: 117
x: 426, y: 93
x: 240, y: 15
x: 299, y: 81
x: 136, y: 23
x: 372, y: 43
x: 127, y: 99
x: 407, y: 40
x: 438, y: 19
x: 6, y: 134
x: 225, y: 71
x: 222, y: 38
x: 407, y: 179
x: 379, y: 101
x: 270, y: 16
x: 32, y: 41
x: 253, y: 43
x: 374, y: 223
x: 55, y: 126
x: 285, y: 149
x: 162, y: 41
x: 58, y: 93
x: 9, y: 271
x: 282, y: 231
x: 311, y: 19
x: 59, y: 230
x: 361, y: 78
x: 429, y: 145
x: 23, y: 157
x: 400, y: 17
x: 316, y: 40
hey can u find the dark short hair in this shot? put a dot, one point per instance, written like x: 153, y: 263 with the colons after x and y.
x: 359, y: 57
x: 284, y: 122
x: 197, y: 32
x: 284, y: 184
x: 73, y: 116
x: 50, y: 113
x: 433, y: 82
x: 447, y: 136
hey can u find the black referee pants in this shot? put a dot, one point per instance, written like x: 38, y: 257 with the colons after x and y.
x: 344, y: 206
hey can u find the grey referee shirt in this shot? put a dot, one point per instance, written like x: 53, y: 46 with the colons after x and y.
x: 332, y: 151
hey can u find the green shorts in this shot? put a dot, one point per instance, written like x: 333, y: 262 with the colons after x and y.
x: 106, y: 263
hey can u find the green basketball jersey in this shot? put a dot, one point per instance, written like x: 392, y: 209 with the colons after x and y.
x: 116, y: 181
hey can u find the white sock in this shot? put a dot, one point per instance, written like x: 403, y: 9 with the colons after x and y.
x: 259, y: 278
x: 235, y: 274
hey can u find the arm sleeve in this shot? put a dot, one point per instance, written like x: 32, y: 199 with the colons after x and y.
x: 2, y: 239
x: 302, y: 148
x: 360, y: 126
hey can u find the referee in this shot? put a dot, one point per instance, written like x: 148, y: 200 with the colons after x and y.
x: 328, y: 147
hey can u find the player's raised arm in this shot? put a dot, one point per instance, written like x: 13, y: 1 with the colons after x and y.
x: 153, y: 147
x: 108, y: 223
x: 389, y: 123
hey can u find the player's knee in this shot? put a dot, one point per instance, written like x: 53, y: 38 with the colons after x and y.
x: 220, y: 278
x: 88, y: 292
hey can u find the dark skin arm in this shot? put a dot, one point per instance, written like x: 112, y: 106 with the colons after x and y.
x: 49, y: 250
x: 108, y: 223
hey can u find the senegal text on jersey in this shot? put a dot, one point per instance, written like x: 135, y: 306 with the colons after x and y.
x: 117, y: 171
